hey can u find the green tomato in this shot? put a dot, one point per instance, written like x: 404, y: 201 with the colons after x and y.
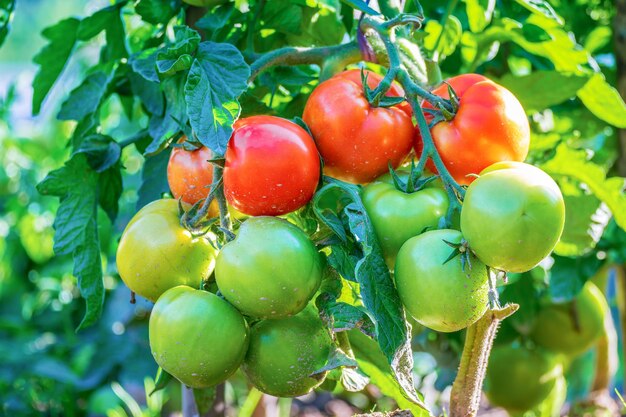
x: 438, y: 294
x: 512, y: 216
x: 270, y: 270
x: 156, y: 253
x: 197, y: 337
x: 519, y: 379
x: 398, y: 216
x: 572, y: 328
x: 284, y: 353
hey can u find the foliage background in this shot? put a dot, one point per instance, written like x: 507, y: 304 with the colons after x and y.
x: 48, y: 368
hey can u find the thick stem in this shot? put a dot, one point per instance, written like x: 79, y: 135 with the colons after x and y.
x: 302, y: 56
x: 466, y: 390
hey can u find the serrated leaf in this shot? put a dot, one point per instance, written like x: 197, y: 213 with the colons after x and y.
x: 157, y: 11
x: 449, y: 39
x: 153, y: 179
x: 101, y: 20
x: 164, y: 126
x: 479, y: 13
x: 531, y: 90
x: 144, y: 64
x: 87, y: 97
x: 541, y: 7
x: 178, y: 56
x: 110, y: 190
x: 361, y: 5
x: 604, y: 101
x: 585, y: 220
x: 101, y: 150
x: 379, y: 295
x: 76, y: 229
x: 52, y: 58
x: 372, y: 362
x: 574, y: 164
x: 217, y: 77
x: 6, y: 14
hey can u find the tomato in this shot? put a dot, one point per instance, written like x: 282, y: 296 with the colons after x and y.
x: 439, y: 294
x: 356, y: 140
x: 513, y: 216
x: 398, y: 216
x: 156, y: 253
x: 284, y: 353
x: 189, y: 174
x: 489, y: 126
x: 519, y: 379
x: 272, y: 166
x: 270, y: 270
x: 574, y: 327
x: 197, y: 337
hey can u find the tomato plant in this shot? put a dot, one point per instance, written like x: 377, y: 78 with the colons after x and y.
x: 270, y: 270
x: 272, y: 166
x: 155, y: 237
x: 197, y: 358
x: 356, y: 140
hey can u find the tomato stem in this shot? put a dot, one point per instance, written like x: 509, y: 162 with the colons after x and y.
x: 465, y: 395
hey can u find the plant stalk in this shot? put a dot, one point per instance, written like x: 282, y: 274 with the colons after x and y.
x: 466, y: 390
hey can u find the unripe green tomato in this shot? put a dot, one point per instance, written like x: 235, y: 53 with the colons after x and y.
x: 512, y: 216
x: 398, y: 216
x: 519, y: 379
x: 270, y: 270
x: 284, y: 353
x: 156, y: 253
x: 438, y: 294
x: 197, y: 337
x: 572, y: 328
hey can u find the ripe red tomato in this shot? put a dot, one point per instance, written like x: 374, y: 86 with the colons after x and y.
x: 272, y: 166
x: 489, y: 126
x: 356, y: 140
x: 189, y: 175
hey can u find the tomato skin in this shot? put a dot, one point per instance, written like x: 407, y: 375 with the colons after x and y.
x: 189, y: 174
x: 283, y: 353
x: 513, y: 216
x: 518, y: 379
x: 156, y: 253
x: 557, y: 329
x: 356, y: 140
x: 440, y: 295
x: 489, y: 126
x: 197, y: 337
x: 272, y: 166
x: 270, y: 270
x: 398, y: 216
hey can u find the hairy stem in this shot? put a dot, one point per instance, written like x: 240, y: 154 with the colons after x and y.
x: 465, y: 395
x: 303, y: 56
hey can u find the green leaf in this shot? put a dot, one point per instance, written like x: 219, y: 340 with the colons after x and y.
x: 531, y: 89
x: 604, y: 101
x: 598, y: 38
x: 164, y: 126
x: 217, y: 77
x: 282, y: 15
x: 372, y: 362
x: 102, y: 151
x: 361, y: 5
x: 568, y: 276
x: 53, y: 57
x: 479, y: 13
x: 87, y: 97
x: 574, y: 164
x: 534, y: 33
x: 144, y: 64
x: 379, y: 295
x: 541, y: 7
x: 6, y: 14
x: 178, y: 56
x: 157, y: 11
x: 449, y: 39
x: 76, y: 229
x: 336, y: 360
x: 216, y: 18
x: 110, y: 190
x: 162, y: 379
x: 585, y: 220
x: 101, y: 20
x: 148, y: 92
x: 353, y: 380
x: 153, y: 179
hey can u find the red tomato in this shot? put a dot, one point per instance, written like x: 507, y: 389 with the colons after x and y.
x: 489, y: 126
x: 356, y: 140
x: 189, y: 175
x: 272, y: 166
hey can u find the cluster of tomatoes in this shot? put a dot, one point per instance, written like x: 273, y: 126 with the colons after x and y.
x: 263, y: 320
